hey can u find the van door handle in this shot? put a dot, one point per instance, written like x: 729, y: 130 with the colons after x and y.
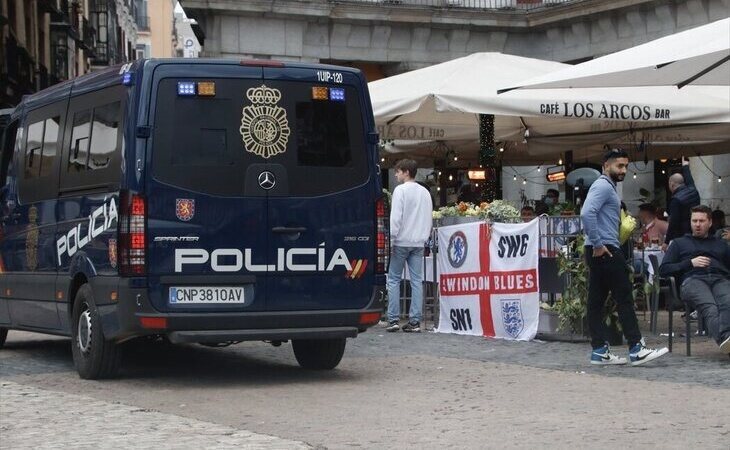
x: 288, y: 230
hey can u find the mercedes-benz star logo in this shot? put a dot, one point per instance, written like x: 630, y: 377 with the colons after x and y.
x: 267, y: 180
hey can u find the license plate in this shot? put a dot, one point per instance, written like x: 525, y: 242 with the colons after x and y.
x: 204, y: 295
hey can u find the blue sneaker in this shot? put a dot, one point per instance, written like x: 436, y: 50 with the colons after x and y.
x: 641, y: 354
x: 603, y: 356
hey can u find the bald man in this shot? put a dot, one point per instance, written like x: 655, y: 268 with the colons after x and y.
x: 684, y: 197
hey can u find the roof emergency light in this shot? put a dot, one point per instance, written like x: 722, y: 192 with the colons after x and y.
x: 206, y: 88
x: 337, y: 94
x: 186, y: 88
x: 320, y: 93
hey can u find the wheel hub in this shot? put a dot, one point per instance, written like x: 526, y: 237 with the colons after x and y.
x: 84, y: 331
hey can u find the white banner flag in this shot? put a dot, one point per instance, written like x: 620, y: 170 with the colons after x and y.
x: 488, y: 279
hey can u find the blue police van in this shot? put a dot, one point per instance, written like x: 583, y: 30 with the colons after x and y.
x: 206, y: 201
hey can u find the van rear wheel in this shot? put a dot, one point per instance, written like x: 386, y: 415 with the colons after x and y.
x: 94, y: 356
x: 3, y: 335
x: 319, y: 354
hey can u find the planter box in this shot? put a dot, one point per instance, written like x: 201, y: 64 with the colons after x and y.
x: 548, y: 321
x: 455, y: 220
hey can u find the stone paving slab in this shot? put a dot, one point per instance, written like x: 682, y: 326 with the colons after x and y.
x: 33, y: 418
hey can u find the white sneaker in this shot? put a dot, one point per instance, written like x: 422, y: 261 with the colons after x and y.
x: 725, y: 346
x: 641, y: 354
x: 604, y: 357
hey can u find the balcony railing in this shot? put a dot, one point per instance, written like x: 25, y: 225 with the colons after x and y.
x: 143, y: 23
x: 19, y: 66
x: 42, y: 77
x: 88, y: 35
x: 59, y: 60
x: 519, y: 5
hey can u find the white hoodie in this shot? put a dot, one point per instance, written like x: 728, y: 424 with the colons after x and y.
x: 411, y: 215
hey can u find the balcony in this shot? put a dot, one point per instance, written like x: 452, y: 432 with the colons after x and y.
x: 88, y: 37
x: 19, y: 67
x: 42, y: 77
x: 143, y: 23
x: 521, y: 5
x: 59, y: 60
x: 66, y: 18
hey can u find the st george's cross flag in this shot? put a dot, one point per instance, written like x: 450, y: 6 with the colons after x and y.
x: 488, y: 279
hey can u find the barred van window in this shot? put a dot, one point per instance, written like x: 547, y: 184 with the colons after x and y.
x: 33, y: 150
x: 50, y: 145
x: 78, y: 159
x: 104, y: 133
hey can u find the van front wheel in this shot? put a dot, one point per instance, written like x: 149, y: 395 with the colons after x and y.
x: 94, y: 356
x: 319, y: 354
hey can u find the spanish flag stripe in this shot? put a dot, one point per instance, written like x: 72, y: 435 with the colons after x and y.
x: 356, y: 269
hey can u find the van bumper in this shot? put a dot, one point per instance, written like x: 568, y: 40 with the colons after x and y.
x: 123, y: 320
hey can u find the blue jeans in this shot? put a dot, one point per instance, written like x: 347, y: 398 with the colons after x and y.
x: 398, y: 258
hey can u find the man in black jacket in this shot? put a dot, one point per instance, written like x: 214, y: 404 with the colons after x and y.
x: 684, y: 197
x: 702, y: 264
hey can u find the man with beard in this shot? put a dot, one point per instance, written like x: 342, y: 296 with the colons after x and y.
x: 702, y: 264
x: 608, y: 271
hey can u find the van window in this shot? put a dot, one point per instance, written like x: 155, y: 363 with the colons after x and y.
x: 198, y: 143
x: 6, y: 154
x: 104, y: 134
x: 78, y: 159
x: 51, y: 138
x: 92, y: 153
x: 33, y: 148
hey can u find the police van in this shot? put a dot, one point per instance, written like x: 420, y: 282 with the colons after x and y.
x: 207, y: 201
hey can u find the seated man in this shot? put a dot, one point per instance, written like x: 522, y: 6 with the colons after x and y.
x: 527, y: 213
x: 701, y: 263
x: 652, y: 229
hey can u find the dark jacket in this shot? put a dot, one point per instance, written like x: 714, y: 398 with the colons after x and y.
x: 677, y: 260
x: 683, y: 199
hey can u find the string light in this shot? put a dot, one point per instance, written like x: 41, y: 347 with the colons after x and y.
x: 501, y: 149
x: 634, y: 175
x: 538, y: 168
x: 476, y: 184
x: 664, y: 172
x: 456, y: 158
x: 524, y: 181
x: 382, y: 159
x: 438, y: 188
x: 451, y: 178
x: 487, y: 155
x: 560, y: 162
x: 514, y: 178
x: 719, y: 179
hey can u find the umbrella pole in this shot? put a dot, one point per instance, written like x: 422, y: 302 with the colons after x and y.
x: 487, y: 156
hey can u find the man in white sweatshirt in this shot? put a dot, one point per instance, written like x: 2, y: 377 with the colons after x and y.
x: 410, y: 227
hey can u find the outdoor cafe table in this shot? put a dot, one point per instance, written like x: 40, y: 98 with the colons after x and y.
x: 644, y: 256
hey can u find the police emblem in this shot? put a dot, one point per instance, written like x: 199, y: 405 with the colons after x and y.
x: 112, y: 252
x: 264, y: 126
x: 185, y: 209
x: 457, y: 249
x: 512, y: 317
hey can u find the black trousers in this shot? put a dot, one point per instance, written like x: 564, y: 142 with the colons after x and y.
x: 610, y: 274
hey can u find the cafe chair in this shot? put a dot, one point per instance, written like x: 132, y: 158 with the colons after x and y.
x: 668, y: 286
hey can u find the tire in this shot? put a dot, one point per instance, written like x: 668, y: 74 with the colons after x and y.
x: 3, y: 335
x: 94, y: 356
x: 319, y: 354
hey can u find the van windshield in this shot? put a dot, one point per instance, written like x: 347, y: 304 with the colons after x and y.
x: 205, y: 143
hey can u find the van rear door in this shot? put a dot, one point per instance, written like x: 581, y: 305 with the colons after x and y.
x: 321, y: 223
x: 207, y: 216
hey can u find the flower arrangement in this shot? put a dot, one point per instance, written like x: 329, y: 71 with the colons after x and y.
x: 497, y: 211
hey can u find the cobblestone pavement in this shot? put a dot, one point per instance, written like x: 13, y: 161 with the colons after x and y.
x: 34, y: 418
x: 391, y: 390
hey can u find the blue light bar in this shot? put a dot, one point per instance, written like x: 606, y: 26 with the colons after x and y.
x: 185, y: 88
x: 127, y: 79
x: 337, y: 94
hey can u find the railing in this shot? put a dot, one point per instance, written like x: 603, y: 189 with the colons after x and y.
x: 42, y: 77
x: 88, y: 34
x: 19, y: 66
x: 59, y: 61
x: 521, y: 5
x: 143, y: 23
